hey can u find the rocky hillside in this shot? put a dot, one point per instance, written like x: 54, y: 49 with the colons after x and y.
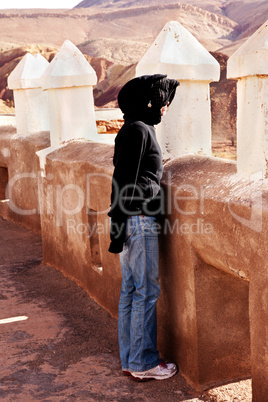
x: 125, y: 26
x: 110, y: 76
x: 114, y: 35
x: 122, y: 30
x: 248, y: 15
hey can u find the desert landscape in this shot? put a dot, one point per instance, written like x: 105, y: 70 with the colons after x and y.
x: 114, y: 35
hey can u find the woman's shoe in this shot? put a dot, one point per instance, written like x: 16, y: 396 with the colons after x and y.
x: 160, y: 372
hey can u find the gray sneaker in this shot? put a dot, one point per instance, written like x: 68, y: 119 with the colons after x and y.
x: 160, y: 372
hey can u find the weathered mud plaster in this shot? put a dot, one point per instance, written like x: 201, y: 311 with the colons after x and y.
x: 209, y: 250
x: 22, y: 200
x: 75, y: 225
x: 236, y: 209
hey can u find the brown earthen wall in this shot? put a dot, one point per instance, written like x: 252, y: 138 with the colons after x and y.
x: 22, y: 167
x: 78, y: 178
x: 208, y: 336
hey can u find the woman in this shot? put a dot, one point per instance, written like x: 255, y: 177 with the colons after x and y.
x: 136, y: 202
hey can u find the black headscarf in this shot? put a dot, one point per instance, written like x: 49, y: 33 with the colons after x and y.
x: 143, y: 97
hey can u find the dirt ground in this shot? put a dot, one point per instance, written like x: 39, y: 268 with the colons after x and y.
x: 66, y: 349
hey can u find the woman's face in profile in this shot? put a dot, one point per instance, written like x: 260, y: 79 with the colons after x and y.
x: 164, y: 109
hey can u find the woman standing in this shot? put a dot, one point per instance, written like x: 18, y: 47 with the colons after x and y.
x: 136, y: 203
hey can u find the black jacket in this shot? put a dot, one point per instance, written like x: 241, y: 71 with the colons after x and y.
x: 137, y: 155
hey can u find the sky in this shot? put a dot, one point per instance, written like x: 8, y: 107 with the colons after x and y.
x: 38, y: 3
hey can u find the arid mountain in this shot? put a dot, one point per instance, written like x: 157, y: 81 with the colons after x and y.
x: 114, y: 35
x: 210, y: 5
x: 248, y: 14
x: 112, y: 28
x: 142, y: 24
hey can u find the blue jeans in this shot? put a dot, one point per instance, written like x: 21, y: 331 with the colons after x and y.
x: 140, y: 289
